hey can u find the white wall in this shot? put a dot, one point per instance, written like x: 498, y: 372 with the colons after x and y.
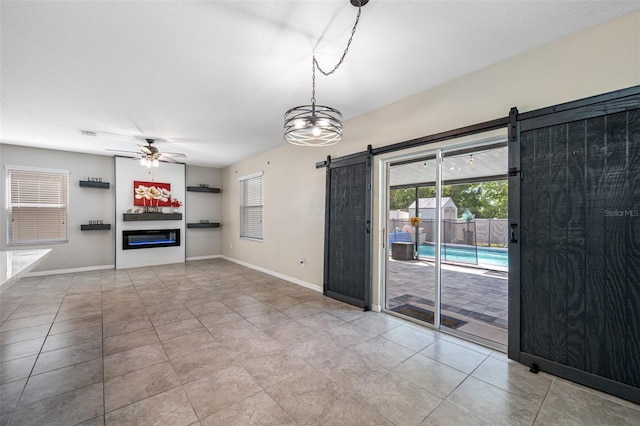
x: 592, y: 62
x: 293, y: 214
x: 84, y: 249
x: 204, y: 242
x: 127, y: 171
x: 88, y: 250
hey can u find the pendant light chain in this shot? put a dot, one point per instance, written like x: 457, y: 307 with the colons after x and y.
x: 318, y: 125
x: 315, y: 63
x: 313, y: 81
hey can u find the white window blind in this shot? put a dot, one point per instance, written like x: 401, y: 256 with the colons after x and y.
x: 37, y: 201
x: 251, y: 207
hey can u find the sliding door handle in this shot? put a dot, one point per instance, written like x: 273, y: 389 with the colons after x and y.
x: 514, y: 226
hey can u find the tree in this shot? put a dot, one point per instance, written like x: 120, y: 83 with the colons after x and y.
x: 486, y: 200
x: 401, y: 199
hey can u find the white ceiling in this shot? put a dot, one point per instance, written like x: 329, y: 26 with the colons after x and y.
x: 481, y: 163
x: 214, y: 78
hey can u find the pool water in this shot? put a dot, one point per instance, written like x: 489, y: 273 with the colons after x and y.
x: 467, y: 254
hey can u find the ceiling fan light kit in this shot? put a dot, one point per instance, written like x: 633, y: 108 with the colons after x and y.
x: 318, y: 125
x: 149, y: 162
x: 149, y: 154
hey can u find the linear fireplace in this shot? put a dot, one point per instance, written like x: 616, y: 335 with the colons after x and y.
x: 149, y: 238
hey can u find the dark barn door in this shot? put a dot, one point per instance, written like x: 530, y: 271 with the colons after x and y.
x: 579, y: 242
x: 347, y: 260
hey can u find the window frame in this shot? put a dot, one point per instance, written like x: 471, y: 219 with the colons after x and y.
x: 247, y: 203
x: 61, y: 235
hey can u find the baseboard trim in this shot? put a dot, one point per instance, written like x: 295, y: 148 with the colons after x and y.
x: 293, y: 280
x: 275, y: 274
x: 70, y: 270
x: 213, y: 256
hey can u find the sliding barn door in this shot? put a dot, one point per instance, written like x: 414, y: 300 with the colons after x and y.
x: 579, y: 242
x: 347, y: 260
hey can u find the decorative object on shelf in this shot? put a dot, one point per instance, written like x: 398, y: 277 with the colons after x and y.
x: 203, y: 189
x: 128, y: 217
x: 150, y: 209
x: 94, y: 183
x: 415, y: 221
x: 95, y: 226
x: 151, y: 194
x: 318, y: 125
x: 176, y: 204
x: 204, y: 185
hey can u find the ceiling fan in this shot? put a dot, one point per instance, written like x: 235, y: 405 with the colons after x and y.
x: 149, y: 154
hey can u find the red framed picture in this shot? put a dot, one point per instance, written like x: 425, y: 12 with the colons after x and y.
x: 154, y: 194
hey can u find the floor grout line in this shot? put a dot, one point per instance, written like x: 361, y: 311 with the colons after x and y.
x: 244, y: 285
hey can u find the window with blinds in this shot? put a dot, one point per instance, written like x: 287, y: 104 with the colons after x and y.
x: 37, y: 205
x: 251, y: 207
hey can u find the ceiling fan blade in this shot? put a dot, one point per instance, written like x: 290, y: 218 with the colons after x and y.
x: 146, y: 150
x: 174, y: 154
x: 166, y: 159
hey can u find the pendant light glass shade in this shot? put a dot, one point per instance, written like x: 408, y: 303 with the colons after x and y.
x: 313, y: 125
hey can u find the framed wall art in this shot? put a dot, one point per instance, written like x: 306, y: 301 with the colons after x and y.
x: 152, y: 194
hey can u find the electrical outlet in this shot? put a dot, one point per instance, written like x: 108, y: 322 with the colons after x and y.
x: 303, y: 261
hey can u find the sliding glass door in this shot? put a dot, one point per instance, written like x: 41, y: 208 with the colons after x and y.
x: 447, y: 262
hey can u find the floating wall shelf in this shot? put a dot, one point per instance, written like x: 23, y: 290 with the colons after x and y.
x: 203, y: 225
x: 101, y: 227
x: 203, y: 189
x: 151, y: 216
x: 92, y: 184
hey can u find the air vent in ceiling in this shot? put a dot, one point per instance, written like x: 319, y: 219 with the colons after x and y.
x: 88, y: 133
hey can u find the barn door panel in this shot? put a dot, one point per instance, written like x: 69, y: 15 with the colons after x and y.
x: 347, y: 266
x: 579, y: 261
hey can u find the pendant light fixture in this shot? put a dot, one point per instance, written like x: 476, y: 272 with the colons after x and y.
x: 318, y: 125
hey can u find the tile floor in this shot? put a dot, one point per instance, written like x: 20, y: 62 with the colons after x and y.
x: 211, y: 342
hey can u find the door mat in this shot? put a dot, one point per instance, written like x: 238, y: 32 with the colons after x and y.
x: 427, y: 316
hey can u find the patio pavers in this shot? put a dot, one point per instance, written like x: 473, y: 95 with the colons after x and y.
x: 475, y: 295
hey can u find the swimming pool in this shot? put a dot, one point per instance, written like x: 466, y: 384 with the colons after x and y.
x: 467, y: 254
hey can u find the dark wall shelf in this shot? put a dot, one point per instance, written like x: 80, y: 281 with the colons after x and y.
x: 203, y: 225
x: 127, y: 217
x: 103, y: 227
x: 92, y: 184
x: 203, y: 189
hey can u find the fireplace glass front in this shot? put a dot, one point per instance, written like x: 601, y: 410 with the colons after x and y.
x: 150, y: 238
